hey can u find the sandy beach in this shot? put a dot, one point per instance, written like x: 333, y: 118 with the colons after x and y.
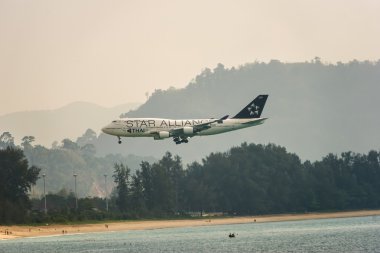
x: 12, y: 232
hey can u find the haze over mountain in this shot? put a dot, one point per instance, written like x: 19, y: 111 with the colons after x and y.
x: 313, y: 109
x: 70, y: 121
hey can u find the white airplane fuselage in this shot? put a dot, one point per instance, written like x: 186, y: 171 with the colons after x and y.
x: 148, y: 127
x: 182, y: 129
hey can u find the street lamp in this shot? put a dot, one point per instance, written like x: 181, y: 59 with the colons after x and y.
x: 75, y: 189
x: 105, y: 183
x: 45, y: 209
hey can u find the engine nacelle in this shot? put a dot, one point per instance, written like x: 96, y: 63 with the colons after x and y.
x: 162, y: 135
x: 188, y: 130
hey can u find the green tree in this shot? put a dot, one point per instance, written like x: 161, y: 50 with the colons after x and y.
x: 137, y: 195
x: 16, y: 179
x: 6, y: 140
x: 198, y: 192
x: 166, y: 178
x: 88, y: 150
x: 69, y: 144
x: 89, y: 137
x: 175, y: 171
x: 26, y: 141
x: 121, y: 178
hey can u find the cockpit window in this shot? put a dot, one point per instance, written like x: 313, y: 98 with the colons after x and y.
x: 114, y: 121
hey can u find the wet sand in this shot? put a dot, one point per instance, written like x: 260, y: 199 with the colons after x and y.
x: 12, y: 232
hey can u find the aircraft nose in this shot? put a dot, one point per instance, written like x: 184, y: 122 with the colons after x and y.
x: 105, y: 130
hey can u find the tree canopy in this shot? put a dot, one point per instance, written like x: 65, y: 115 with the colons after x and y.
x: 16, y: 179
x: 256, y: 179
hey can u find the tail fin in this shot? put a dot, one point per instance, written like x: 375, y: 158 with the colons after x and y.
x: 253, y: 109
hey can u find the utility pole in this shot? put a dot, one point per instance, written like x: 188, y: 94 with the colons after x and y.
x: 105, y: 183
x: 75, y: 188
x: 45, y: 209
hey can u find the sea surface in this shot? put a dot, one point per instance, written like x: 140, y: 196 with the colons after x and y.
x: 326, y: 235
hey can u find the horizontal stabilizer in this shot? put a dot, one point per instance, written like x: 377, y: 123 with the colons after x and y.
x: 223, y: 118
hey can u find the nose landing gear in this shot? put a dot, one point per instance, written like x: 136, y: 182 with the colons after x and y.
x: 119, y: 140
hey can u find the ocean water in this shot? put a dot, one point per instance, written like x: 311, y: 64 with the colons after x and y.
x: 326, y: 235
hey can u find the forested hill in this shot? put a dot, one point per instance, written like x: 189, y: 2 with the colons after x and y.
x: 313, y: 108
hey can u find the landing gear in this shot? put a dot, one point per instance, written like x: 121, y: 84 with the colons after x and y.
x: 119, y: 140
x: 179, y: 140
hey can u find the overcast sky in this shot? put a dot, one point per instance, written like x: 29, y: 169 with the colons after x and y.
x: 112, y: 52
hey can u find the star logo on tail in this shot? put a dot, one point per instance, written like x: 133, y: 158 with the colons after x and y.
x: 253, y: 109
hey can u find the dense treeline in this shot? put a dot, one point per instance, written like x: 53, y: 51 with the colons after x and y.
x: 61, y: 208
x: 246, y: 180
x: 250, y: 179
x: 257, y: 179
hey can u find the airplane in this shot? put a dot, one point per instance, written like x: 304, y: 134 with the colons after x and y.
x: 182, y: 130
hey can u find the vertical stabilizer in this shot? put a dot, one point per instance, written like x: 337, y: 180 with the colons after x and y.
x: 253, y: 109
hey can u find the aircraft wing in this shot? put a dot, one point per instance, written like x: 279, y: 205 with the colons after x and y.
x: 207, y: 125
x: 196, y: 128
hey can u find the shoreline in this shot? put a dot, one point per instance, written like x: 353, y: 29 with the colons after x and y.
x: 23, y: 231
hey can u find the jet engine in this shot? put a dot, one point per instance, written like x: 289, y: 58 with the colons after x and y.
x: 162, y: 135
x: 188, y: 130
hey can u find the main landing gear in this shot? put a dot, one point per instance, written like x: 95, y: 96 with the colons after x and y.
x: 178, y: 140
x: 119, y: 140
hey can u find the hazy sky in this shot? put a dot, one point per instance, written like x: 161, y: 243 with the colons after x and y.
x: 113, y: 52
